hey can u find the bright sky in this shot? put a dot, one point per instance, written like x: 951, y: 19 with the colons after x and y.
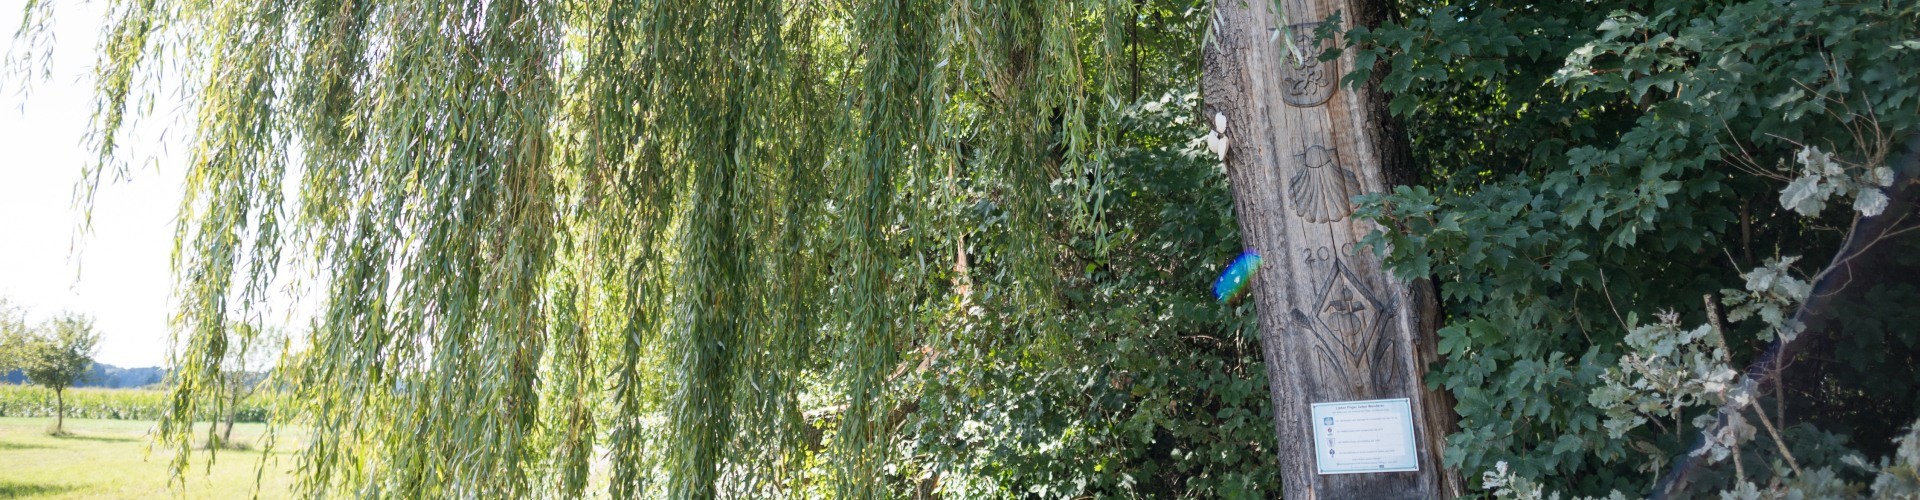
x: 120, y: 275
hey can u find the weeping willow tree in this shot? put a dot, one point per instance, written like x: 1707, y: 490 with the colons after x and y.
x: 545, y: 232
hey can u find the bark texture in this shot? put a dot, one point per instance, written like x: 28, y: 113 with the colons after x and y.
x: 1335, y: 326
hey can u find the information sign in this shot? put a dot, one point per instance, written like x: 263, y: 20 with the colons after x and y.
x: 1358, y: 437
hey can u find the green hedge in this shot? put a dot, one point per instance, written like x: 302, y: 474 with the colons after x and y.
x: 113, y: 404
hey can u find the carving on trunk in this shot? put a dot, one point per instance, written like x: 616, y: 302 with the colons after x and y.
x: 1321, y: 188
x: 1335, y: 326
x: 1348, y: 319
x: 1308, y: 81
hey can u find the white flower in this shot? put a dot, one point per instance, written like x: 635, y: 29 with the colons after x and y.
x: 1882, y: 176
x: 1806, y: 195
x: 1870, y: 202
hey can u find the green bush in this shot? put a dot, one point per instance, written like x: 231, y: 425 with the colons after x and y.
x: 1584, y: 163
x: 1147, y: 386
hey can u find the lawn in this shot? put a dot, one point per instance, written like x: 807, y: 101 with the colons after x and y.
x: 108, y: 459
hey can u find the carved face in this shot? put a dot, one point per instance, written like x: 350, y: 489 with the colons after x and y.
x: 1307, y: 81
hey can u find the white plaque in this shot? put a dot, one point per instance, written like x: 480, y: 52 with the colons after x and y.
x: 1357, y: 437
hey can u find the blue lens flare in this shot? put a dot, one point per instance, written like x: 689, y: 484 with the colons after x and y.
x: 1234, y: 280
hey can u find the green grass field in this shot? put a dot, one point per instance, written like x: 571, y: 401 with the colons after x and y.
x: 109, y: 459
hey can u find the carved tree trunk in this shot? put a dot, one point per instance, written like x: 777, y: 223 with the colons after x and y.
x: 1335, y: 326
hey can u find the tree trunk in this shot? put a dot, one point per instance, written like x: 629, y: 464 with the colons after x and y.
x: 233, y: 409
x: 59, y: 411
x: 226, y: 432
x: 1335, y: 326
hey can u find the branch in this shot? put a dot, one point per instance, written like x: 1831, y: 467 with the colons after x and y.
x: 1765, y: 370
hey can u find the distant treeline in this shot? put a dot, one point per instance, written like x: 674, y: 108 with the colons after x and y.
x: 105, y: 376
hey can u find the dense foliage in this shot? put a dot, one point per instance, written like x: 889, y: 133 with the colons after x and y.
x: 104, y: 375
x: 1153, y: 389
x: 734, y: 248
x: 55, y: 354
x: 1588, y: 163
x: 13, y: 333
x: 814, y: 249
x: 109, y: 404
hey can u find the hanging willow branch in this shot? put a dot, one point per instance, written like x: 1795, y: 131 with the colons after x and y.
x: 550, y: 233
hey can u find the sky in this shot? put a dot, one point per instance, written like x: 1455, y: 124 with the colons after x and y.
x: 120, y: 273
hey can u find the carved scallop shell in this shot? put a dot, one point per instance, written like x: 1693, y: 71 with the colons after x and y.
x: 1320, y: 188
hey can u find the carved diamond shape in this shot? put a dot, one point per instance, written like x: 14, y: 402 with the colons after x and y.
x: 1349, y: 311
